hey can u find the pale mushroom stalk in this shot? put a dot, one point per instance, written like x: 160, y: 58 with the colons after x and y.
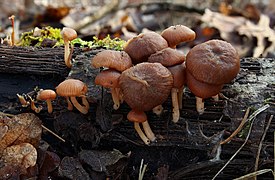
x: 33, y: 107
x: 141, y: 134
x: 158, y: 109
x: 115, y: 97
x: 70, y: 106
x: 199, y: 105
x: 148, y: 131
x: 49, y: 105
x: 82, y: 109
x: 175, y: 104
x: 216, y: 97
x: 85, y: 102
x: 67, y: 53
x: 180, y: 95
x: 22, y: 100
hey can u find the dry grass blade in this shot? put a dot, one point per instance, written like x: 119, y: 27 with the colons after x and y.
x: 239, y: 127
x: 254, y: 174
x: 251, y: 118
x: 261, y: 143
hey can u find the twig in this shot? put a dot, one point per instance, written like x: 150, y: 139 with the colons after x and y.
x: 50, y: 131
x: 261, y: 143
x: 239, y: 128
x: 252, y: 119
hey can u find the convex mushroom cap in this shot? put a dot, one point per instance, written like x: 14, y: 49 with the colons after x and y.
x: 47, y: 95
x: 213, y: 62
x: 142, y: 46
x: 177, y: 34
x: 112, y: 59
x: 72, y: 88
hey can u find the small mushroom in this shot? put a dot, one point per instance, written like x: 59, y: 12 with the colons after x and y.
x: 72, y: 88
x: 177, y: 34
x: 116, y: 61
x: 145, y: 86
x: 68, y: 34
x: 174, y: 61
x: 209, y: 65
x: 109, y: 79
x: 142, y: 46
x: 47, y: 95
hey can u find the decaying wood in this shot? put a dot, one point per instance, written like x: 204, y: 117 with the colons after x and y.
x: 188, y: 146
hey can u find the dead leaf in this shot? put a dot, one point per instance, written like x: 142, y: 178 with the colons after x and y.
x: 22, y: 128
x: 23, y: 155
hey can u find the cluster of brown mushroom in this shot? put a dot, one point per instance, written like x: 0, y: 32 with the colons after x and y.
x: 150, y: 68
x: 70, y: 89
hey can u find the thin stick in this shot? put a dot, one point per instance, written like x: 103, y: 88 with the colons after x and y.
x: 239, y: 128
x: 252, y: 119
x: 261, y: 143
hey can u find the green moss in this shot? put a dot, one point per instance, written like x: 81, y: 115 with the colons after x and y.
x: 28, y: 39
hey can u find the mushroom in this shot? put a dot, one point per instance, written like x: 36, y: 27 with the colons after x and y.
x: 47, y: 95
x: 68, y: 34
x: 109, y: 79
x: 174, y: 61
x: 142, y: 46
x: 209, y: 65
x: 145, y: 86
x: 72, y: 88
x: 116, y: 61
x: 177, y: 34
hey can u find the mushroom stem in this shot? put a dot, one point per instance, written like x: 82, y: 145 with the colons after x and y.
x: 85, y: 102
x: 33, y: 107
x: 216, y: 97
x: 13, y: 32
x: 158, y: 109
x: 180, y: 95
x: 141, y: 134
x: 49, y: 105
x: 82, y: 109
x: 70, y: 106
x: 22, y: 100
x: 175, y: 103
x: 199, y: 105
x: 67, y: 53
x: 148, y: 131
x: 115, y: 97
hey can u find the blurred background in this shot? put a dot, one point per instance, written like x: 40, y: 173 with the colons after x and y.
x: 247, y: 24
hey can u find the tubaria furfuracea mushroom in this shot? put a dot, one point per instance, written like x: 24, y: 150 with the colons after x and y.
x: 72, y: 88
x: 114, y: 63
x: 68, y: 34
x: 144, y: 86
x: 174, y: 61
x: 47, y: 95
x: 209, y: 66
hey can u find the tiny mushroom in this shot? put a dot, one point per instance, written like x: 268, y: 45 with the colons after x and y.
x: 142, y: 46
x: 72, y: 88
x: 116, y: 62
x: 177, y: 34
x: 209, y: 66
x: 174, y: 61
x: 68, y: 34
x: 145, y: 86
x: 47, y: 95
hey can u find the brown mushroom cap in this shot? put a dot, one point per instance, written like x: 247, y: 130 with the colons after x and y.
x: 71, y: 87
x: 145, y: 85
x: 167, y: 57
x: 108, y: 78
x: 179, y: 74
x: 68, y: 34
x: 213, y: 62
x: 200, y: 89
x: 141, y: 47
x: 177, y: 34
x: 137, y: 116
x: 46, y: 94
x: 118, y: 60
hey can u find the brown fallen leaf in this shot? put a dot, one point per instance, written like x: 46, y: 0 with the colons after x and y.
x: 23, y: 155
x: 21, y: 128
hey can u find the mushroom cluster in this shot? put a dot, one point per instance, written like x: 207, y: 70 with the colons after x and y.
x: 209, y: 66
